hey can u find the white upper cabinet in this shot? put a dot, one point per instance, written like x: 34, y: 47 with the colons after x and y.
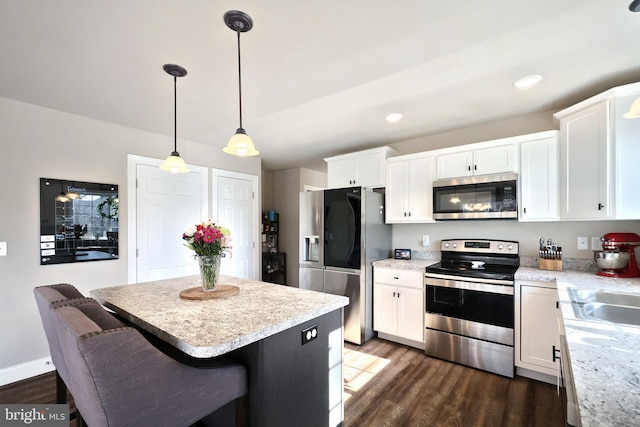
x: 408, y: 195
x: 503, y: 158
x: 455, y: 165
x: 539, y: 178
x: 598, y: 157
x: 362, y: 169
x: 586, y: 164
x: 627, y: 158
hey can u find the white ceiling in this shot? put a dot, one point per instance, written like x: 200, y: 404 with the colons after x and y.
x: 318, y: 76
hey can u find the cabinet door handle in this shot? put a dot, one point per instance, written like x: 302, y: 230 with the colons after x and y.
x: 394, y: 294
x: 600, y: 206
x: 554, y: 351
x: 395, y: 277
x: 469, y: 168
x: 475, y: 167
x: 409, y: 213
x: 525, y: 210
x: 398, y: 294
x: 405, y: 214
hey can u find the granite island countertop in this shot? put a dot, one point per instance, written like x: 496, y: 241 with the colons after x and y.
x: 605, y: 357
x: 209, y: 328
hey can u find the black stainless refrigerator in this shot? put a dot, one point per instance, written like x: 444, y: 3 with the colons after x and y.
x: 342, y: 232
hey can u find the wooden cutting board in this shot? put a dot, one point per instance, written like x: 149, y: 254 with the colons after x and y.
x: 222, y: 291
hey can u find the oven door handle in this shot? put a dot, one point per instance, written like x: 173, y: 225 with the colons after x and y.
x: 472, y: 286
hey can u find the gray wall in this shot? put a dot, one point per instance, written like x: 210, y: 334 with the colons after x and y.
x: 482, y: 132
x: 565, y: 234
x: 39, y: 142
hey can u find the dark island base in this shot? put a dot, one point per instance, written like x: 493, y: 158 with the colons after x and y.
x: 291, y: 384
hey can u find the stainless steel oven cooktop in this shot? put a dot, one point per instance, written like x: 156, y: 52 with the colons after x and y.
x: 469, y: 306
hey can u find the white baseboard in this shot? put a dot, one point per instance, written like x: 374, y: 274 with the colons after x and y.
x: 538, y: 376
x: 25, y: 370
x: 401, y: 340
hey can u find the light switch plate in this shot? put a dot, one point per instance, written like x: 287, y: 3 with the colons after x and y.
x: 3, y: 248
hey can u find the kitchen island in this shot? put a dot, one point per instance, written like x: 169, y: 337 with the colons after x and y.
x: 604, y: 357
x: 292, y: 380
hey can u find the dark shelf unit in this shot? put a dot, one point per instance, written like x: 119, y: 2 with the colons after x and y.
x: 273, y: 262
x: 274, y: 267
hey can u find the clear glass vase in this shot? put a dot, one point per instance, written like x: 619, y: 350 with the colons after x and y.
x: 209, y: 271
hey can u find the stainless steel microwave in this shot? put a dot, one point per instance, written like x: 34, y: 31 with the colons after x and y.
x: 476, y: 197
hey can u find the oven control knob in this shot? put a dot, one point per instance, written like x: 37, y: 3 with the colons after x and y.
x: 455, y: 245
x: 510, y: 247
x: 500, y: 246
x: 446, y: 245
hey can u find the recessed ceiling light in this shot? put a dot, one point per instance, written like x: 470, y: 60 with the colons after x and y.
x: 527, y: 82
x: 394, y: 117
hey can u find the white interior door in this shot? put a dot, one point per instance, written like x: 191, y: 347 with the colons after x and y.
x: 163, y: 206
x: 235, y: 208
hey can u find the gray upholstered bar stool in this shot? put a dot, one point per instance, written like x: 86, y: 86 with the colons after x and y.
x: 118, y: 378
x: 45, y: 297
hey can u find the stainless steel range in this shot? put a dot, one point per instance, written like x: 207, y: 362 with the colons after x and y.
x: 470, y: 304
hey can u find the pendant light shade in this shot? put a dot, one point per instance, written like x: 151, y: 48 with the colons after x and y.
x: 174, y: 162
x: 62, y: 197
x: 634, y: 111
x: 240, y: 144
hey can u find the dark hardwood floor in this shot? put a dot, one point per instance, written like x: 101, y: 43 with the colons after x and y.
x: 388, y: 384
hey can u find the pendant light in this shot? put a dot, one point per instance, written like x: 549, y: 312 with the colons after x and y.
x: 174, y: 162
x: 62, y: 197
x: 240, y: 144
x: 72, y: 194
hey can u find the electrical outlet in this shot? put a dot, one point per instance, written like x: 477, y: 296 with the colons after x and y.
x: 3, y: 248
x: 596, y: 244
x: 583, y: 243
x: 309, y: 334
x: 425, y: 240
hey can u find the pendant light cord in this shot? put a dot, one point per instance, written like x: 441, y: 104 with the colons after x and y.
x: 239, y: 79
x: 175, y: 114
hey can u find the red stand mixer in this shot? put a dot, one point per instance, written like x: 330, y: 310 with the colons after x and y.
x: 618, y: 257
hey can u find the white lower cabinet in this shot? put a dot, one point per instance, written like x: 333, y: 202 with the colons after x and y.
x: 398, y: 305
x: 536, y: 328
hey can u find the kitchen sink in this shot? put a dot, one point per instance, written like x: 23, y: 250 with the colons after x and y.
x: 603, y: 306
x: 583, y: 296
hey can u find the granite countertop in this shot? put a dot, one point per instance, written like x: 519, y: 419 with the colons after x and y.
x: 605, y: 357
x: 403, y: 264
x: 209, y: 328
